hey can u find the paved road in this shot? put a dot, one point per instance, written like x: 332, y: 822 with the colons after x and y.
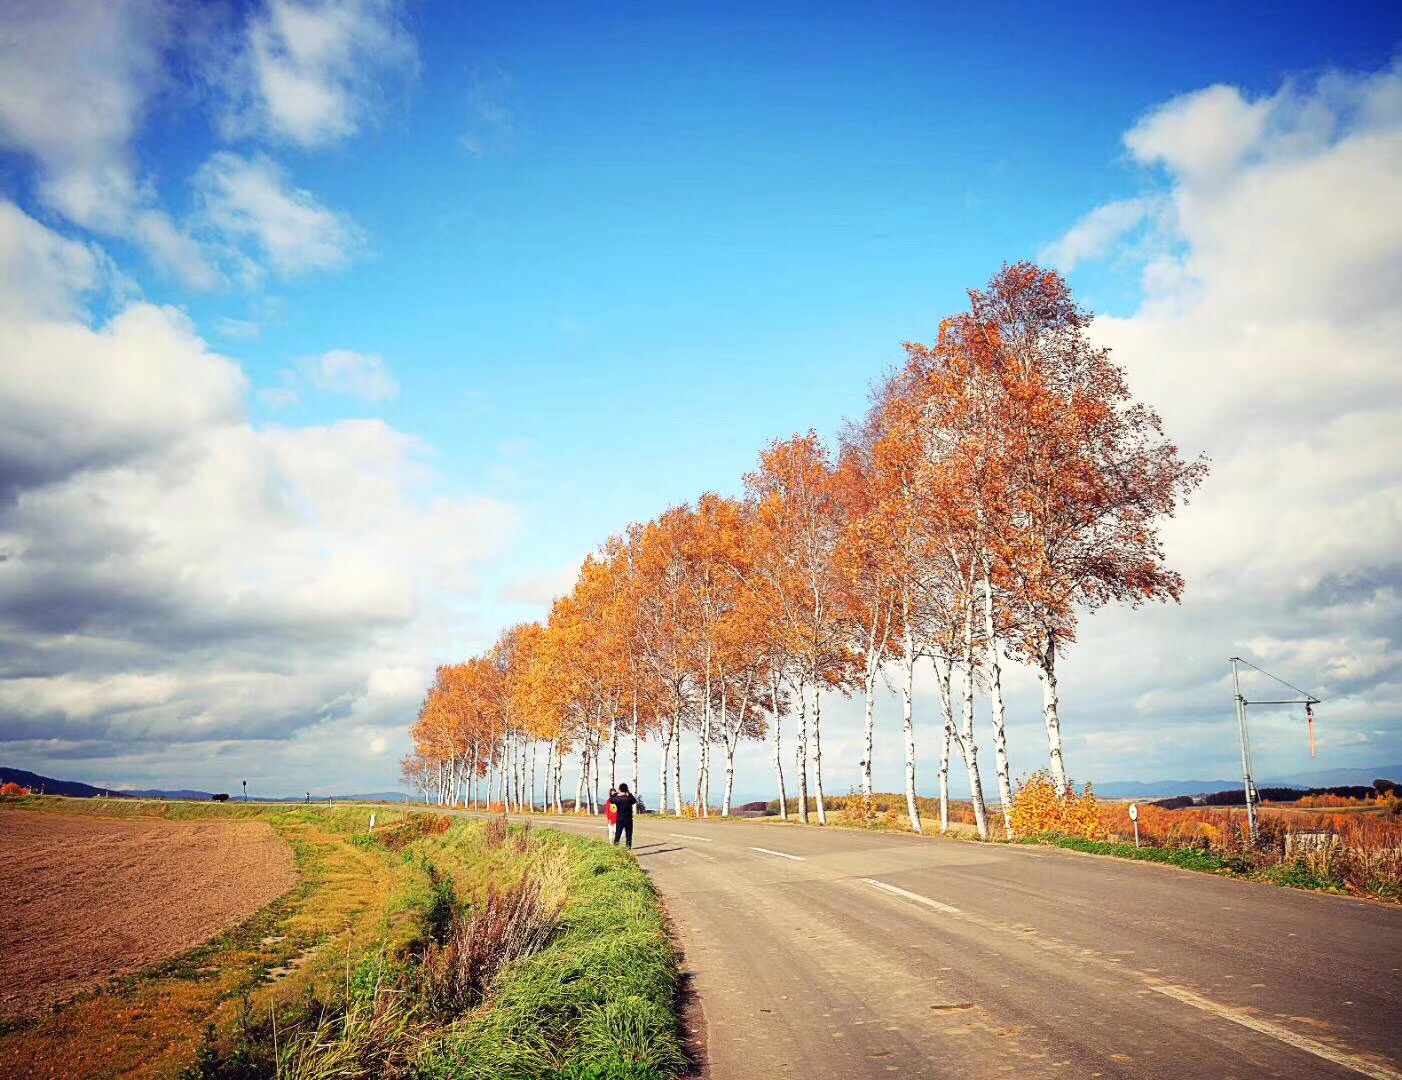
x: 837, y: 953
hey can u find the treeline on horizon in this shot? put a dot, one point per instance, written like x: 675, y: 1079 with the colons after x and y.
x: 1000, y: 483
x: 1237, y: 796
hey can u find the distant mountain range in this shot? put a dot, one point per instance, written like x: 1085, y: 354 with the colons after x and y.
x: 1158, y: 789
x: 74, y: 789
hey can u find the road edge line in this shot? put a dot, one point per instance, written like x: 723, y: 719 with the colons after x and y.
x: 781, y: 854
x: 896, y: 890
x: 1275, y: 1031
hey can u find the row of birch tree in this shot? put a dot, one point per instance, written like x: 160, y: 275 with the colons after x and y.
x: 1001, y: 483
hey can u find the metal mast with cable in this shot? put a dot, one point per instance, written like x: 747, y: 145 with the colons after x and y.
x: 1308, y: 700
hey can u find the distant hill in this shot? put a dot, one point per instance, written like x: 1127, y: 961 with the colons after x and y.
x: 74, y: 789
x: 50, y: 786
x: 1339, y: 777
x: 181, y: 794
x: 1158, y: 789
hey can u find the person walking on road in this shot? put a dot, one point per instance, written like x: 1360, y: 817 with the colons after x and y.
x: 622, y: 803
x: 610, y: 812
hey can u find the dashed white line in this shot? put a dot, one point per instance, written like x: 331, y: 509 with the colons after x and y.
x: 1275, y: 1031
x: 896, y: 890
x: 782, y: 855
x: 683, y: 836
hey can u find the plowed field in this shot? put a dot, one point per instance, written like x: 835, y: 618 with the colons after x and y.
x: 88, y: 898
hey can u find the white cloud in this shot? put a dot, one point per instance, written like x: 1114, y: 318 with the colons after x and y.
x: 1096, y: 233
x: 171, y: 574
x: 251, y: 202
x: 75, y: 85
x: 539, y: 590
x: 312, y: 73
x: 491, y: 119
x: 1270, y: 336
x: 1201, y: 136
x: 230, y: 327
x: 354, y: 374
x: 45, y: 274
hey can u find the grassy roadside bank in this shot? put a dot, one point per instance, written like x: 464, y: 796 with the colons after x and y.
x: 1321, y: 872
x: 432, y: 947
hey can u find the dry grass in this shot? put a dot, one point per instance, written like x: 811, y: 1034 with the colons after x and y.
x: 504, y: 925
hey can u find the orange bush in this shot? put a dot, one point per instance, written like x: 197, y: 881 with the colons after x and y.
x: 13, y: 789
x: 1037, y: 808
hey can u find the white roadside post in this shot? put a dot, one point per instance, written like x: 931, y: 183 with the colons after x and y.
x: 372, y: 822
x: 1134, y: 817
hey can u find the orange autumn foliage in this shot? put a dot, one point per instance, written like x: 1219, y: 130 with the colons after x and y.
x: 1037, y: 808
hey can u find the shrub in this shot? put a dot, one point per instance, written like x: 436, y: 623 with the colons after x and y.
x: 1037, y: 808
x: 506, y: 924
x: 495, y: 835
x: 13, y: 789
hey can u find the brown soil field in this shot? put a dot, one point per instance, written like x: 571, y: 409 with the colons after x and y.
x: 89, y: 898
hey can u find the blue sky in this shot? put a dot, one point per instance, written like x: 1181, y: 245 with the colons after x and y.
x: 581, y: 264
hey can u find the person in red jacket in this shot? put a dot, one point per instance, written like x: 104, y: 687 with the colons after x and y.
x: 623, y: 803
x: 610, y: 813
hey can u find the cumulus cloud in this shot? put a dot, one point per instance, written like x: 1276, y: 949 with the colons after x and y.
x: 76, y: 80
x: 171, y: 574
x: 251, y: 202
x: 312, y: 73
x: 1268, y: 336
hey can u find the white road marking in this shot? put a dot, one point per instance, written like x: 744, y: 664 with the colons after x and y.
x: 898, y: 891
x: 782, y: 855
x: 1275, y: 1031
x: 683, y: 836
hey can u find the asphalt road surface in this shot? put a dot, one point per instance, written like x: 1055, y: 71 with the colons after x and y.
x: 839, y: 953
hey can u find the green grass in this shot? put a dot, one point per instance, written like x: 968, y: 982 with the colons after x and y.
x: 1295, y: 875
x: 597, y: 1002
x: 1187, y: 858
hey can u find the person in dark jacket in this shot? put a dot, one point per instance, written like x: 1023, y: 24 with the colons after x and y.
x: 623, y: 803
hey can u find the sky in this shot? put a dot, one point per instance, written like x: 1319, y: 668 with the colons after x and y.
x: 334, y: 335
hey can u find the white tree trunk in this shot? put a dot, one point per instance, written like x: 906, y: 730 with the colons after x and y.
x: 778, y: 755
x: 677, y: 764
x: 583, y: 781
x: 868, y: 730
x: 912, y: 807
x: 995, y: 692
x: 801, y: 751
x: 729, y: 776
x: 703, y: 748
x: 635, y: 743
x: 665, y: 737
x: 613, y: 751
x: 943, y: 669
x: 818, y: 751
x: 968, y: 748
x: 1047, y: 673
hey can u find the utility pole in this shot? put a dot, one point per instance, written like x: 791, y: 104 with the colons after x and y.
x: 1308, y: 700
x: 1247, y: 782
